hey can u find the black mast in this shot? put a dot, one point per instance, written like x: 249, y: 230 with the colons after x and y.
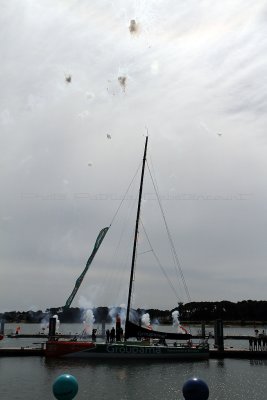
x: 135, y: 237
x: 132, y: 330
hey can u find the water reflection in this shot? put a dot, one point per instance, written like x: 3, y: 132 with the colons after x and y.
x: 258, y: 362
x: 220, y: 363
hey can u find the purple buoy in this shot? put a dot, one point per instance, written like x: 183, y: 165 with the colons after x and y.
x: 65, y: 387
x: 195, y: 389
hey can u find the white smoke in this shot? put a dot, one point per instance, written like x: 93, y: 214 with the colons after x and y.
x: 134, y: 316
x: 176, y: 322
x: 175, y: 318
x: 84, y: 303
x: 122, y: 313
x: 146, y: 320
x: 118, y: 311
x: 57, y: 322
x: 88, y: 317
x: 113, y: 312
x: 44, y: 323
x: 88, y: 320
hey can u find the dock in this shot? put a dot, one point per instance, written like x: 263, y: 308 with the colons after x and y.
x: 43, y: 336
x: 232, y: 353
x: 21, y: 352
x: 68, y: 336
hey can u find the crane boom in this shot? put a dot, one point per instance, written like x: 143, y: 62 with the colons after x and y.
x: 98, y: 242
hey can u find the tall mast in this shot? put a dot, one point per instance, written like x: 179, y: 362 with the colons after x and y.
x: 136, y: 234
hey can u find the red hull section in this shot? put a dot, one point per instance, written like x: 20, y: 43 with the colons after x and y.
x: 56, y: 348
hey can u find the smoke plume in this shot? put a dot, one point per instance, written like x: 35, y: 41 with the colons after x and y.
x: 146, y: 320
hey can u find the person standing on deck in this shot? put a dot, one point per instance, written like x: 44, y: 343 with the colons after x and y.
x: 112, y: 334
x: 94, y: 335
x: 263, y: 341
x: 107, y: 335
x: 259, y: 343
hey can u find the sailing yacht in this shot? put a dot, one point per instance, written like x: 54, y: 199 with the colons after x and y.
x: 138, y: 342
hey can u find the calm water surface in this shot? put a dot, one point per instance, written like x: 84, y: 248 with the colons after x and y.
x: 32, y: 378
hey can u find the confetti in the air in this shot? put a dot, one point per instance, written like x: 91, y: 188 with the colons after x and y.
x: 133, y: 27
x: 122, y: 82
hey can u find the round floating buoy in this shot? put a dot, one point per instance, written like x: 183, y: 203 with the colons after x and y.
x: 65, y: 387
x: 195, y: 389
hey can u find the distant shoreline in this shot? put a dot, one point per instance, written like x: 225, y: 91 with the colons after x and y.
x: 185, y: 323
x: 243, y: 313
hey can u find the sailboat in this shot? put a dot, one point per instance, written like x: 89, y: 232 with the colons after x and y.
x: 139, y: 342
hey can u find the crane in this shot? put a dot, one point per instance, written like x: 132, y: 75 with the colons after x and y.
x: 98, y: 242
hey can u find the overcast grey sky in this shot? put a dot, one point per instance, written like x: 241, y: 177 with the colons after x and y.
x: 196, y: 78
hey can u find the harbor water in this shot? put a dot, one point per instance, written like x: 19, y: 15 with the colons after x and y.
x: 32, y: 378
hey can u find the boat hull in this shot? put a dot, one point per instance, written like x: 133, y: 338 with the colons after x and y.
x: 92, y: 350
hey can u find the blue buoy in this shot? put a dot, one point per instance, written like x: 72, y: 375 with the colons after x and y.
x: 195, y: 389
x: 65, y: 387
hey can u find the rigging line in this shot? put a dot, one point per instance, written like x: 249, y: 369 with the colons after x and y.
x: 166, y: 226
x: 170, y: 239
x: 125, y: 195
x: 144, y: 252
x: 156, y: 187
x: 120, y: 258
x: 153, y: 170
x: 160, y: 265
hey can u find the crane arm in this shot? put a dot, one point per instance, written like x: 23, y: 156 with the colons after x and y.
x: 98, y: 242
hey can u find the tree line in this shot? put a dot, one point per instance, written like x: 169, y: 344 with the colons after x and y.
x: 242, y: 312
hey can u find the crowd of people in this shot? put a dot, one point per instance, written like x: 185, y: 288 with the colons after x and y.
x: 258, y: 342
x: 113, y: 335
